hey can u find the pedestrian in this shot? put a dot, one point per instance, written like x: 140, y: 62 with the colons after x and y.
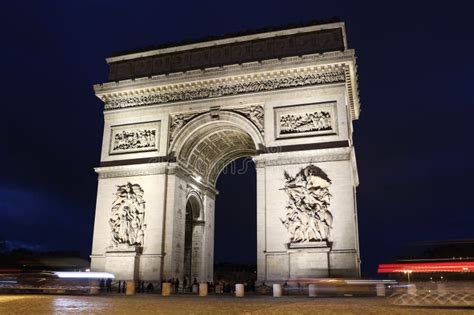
x: 177, y: 285
x: 102, y: 285
x: 185, y: 284
x: 149, y: 288
x: 108, y: 285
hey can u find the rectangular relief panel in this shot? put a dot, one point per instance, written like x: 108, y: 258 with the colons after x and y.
x: 306, y: 120
x: 134, y: 138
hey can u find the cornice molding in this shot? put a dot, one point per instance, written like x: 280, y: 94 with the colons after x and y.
x: 172, y: 168
x: 229, y: 86
x: 132, y: 170
x: 313, y: 156
x: 201, y: 84
x: 292, y: 63
x: 229, y: 40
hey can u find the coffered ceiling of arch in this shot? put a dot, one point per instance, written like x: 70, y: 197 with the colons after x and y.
x: 206, y: 155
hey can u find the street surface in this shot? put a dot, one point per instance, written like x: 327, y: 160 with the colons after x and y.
x: 187, y: 304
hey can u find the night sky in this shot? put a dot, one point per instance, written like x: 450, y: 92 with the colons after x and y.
x: 413, y: 140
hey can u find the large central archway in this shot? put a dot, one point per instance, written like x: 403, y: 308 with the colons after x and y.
x: 235, y: 234
x: 208, y: 143
x: 204, y: 147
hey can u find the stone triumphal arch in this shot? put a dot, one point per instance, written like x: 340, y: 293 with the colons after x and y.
x: 174, y: 117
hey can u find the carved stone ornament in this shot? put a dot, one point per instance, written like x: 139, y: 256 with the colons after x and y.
x: 128, y: 215
x: 220, y: 88
x: 178, y: 121
x: 303, y: 120
x: 308, y: 218
x: 133, y: 138
x: 254, y: 113
x: 308, y: 122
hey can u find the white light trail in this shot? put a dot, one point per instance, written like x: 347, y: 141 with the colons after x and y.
x: 84, y: 275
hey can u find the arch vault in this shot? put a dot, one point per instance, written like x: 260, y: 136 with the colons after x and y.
x: 175, y: 117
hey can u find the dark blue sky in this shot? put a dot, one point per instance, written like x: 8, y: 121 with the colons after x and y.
x: 413, y: 141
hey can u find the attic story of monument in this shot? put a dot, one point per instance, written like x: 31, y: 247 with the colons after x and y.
x: 175, y: 117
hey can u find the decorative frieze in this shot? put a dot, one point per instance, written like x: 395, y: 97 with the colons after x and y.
x: 220, y: 87
x: 308, y: 218
x: 135, y: 138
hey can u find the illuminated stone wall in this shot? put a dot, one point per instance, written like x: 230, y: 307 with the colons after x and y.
x: 172, y: 134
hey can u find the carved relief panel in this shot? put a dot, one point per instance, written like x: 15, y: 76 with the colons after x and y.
x: 306, y: 120
x: 128, y: 216
x: 254, y: 113
x: 308, y: 217
x: 134, y: 138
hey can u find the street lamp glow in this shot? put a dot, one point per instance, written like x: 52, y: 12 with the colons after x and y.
x: 408, y: 272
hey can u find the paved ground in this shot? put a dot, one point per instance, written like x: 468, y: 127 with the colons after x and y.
x: 155, y: 304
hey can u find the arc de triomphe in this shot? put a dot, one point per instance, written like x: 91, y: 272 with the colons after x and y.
x: 174, y: 117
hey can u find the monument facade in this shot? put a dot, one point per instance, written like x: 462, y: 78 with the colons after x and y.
x: 175, y: 117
